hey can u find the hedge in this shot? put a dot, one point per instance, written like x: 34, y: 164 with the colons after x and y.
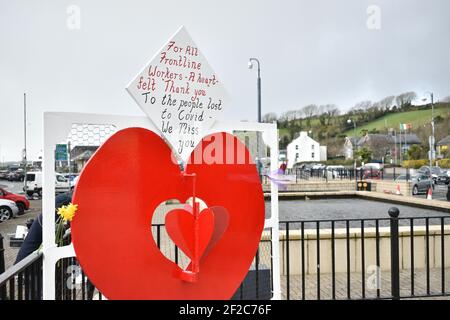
x: 416, y: 164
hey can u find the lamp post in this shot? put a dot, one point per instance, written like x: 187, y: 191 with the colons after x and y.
x: 250, y: 66
x: 431, y: 141
x: 258, y: 151
x: 25, y: 143
x: 349, y: 121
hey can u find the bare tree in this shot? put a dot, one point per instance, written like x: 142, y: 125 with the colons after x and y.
x: 386, y: 103
x: 405, y: 99
x: 288, y: 116
x: 380, y: 145
x: 362, y: 106
x: 269, y: 117
x: 327, y: 111
x: 299, y: 114
x: 309, y: 111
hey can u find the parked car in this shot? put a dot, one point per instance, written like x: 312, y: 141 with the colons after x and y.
x: 371, y: 172
x: 335, y: 171
x: 21, y: 201
x: 34, y: 183
x: 319, y: 166
x: 4, y: 174
x: 73, y: 178
x: 8, y: 209
x: 17, y: 175
x: 375, y: 165
x: 439, y: 176
x: 420, y: 183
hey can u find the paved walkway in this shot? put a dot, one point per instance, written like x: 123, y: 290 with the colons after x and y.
x: 420, y: 287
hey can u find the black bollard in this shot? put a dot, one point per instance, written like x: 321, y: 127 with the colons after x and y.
x: 395, y: 255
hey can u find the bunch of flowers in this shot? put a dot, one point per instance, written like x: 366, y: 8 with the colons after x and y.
x: 65, y: 216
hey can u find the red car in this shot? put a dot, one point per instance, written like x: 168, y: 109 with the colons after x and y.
x: 22, y: 202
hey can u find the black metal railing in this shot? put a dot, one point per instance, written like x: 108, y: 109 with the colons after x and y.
x: 402, y: 279
x: 336, y: 174
x: 381, y: 258
x: 23, y: 281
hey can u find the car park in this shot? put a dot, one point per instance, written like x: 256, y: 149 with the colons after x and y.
x: 22, y: 202
x: 8, y: 209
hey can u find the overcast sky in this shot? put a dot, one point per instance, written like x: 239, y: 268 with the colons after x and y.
x: 311, y: 51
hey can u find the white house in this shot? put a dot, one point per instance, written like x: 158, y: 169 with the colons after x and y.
x: 305, y: 149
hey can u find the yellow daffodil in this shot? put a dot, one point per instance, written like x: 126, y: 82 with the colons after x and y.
x: 68, y: 212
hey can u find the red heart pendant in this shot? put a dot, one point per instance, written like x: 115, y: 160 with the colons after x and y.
x: 180, y: 227
x: 117, y: 194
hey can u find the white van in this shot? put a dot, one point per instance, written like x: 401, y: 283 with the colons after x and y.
x: 34, y: 183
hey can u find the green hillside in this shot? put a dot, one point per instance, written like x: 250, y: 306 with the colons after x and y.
x: 416, y: 118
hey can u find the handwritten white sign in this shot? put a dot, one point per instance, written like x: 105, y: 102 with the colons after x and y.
x: 180, y: 93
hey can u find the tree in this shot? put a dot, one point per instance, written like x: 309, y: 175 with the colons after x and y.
x: 405, y: 99
x: 362, y: 106
x: 380, y: 145
x: 364, y: 154
x: 269, y: 117
x: 386, y: 103
x: 309, y: 111
x: 415, y: 152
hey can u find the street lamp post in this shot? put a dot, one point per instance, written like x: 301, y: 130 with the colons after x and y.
x: 258, y: 151
x: 25, y: 142
x: 432, y: 139
x: 250, y: 66
x: 354, y: 134
x: 431, y: 142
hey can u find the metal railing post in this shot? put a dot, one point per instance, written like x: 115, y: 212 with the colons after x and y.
x: 395, y: 264
x: 2, y: 255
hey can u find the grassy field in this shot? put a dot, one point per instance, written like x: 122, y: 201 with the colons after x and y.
x: 416, y: 118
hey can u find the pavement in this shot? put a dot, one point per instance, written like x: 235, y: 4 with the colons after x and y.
x: 384, y: 285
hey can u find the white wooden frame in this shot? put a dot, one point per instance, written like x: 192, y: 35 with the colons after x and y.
x: 57, y: 126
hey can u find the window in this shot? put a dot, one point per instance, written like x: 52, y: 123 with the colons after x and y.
x: 312, y: 147
x: 312, y: 155
x: 296, y: 156
x: 296, y: 147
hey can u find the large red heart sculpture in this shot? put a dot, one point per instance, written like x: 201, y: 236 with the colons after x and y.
x: 118, y: 192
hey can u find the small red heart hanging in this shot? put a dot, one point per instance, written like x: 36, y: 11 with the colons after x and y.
x: 118, y: 192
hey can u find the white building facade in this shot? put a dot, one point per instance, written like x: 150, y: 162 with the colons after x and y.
x: 305, y: 149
